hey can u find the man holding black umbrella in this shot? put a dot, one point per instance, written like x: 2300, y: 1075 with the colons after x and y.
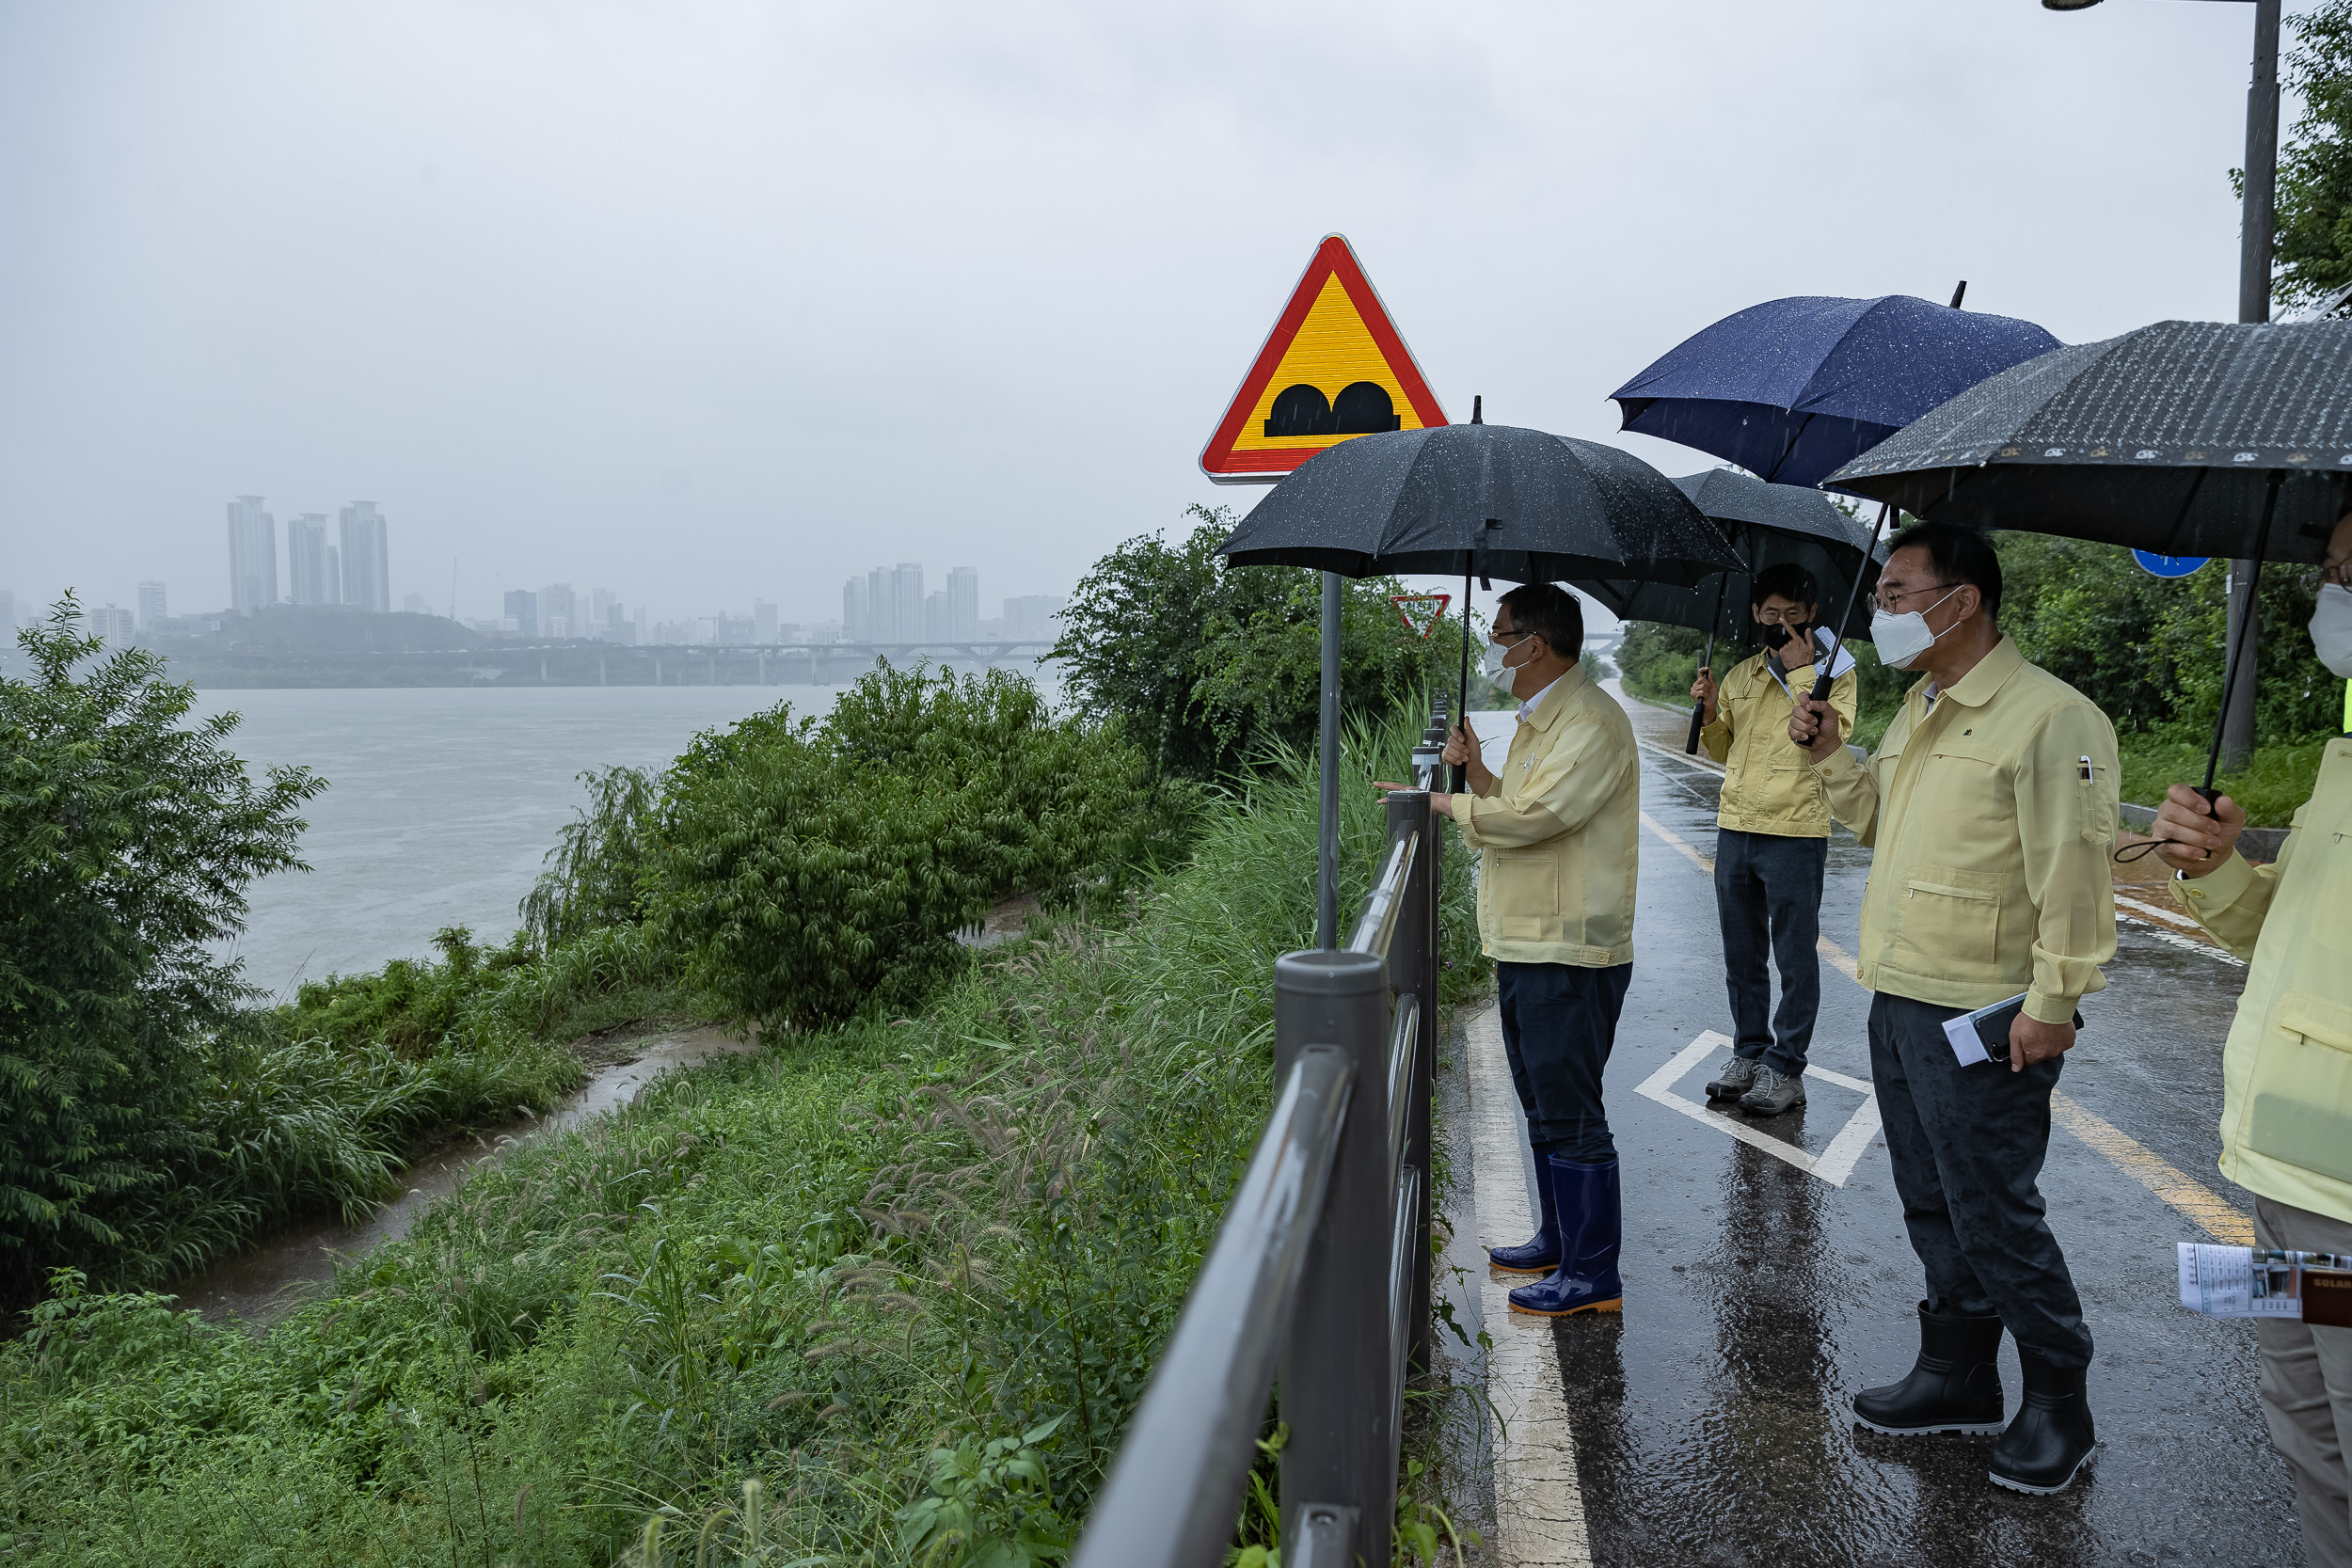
x: 1558, y: 830
x: 1991, y: 807
x: 1772, y: 840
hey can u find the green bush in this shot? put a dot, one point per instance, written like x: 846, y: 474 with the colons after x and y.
x: 908, y: 1278
x: 1205, y: 666
x: 806, y: 871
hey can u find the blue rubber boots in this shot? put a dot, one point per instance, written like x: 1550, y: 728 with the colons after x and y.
x: 1586, y: 1215
x: 1542, y: 1254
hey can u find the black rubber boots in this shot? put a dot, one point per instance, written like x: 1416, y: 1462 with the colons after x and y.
x: 2044, y: 1448
x: 1955, y: 1385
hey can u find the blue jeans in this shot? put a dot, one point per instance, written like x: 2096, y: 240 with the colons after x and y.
x: 1768, y: 894
x: 1559, y: 1022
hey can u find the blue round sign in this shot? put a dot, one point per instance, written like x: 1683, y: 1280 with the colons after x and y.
x: 2169, y: 566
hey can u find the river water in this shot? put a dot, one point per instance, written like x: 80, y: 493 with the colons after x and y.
x: 441, y: 803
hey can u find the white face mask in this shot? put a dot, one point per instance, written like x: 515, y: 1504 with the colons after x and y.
x: 1902, y: 639
x: 2332, y: 628
x: 1494, y: 662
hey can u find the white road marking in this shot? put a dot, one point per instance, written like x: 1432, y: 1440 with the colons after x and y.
x: 2162, y: 928
x: 1833, y: 1165
x: 1539, y: 1502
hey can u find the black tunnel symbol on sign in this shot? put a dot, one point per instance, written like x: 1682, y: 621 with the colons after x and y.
x: 1364, y: 409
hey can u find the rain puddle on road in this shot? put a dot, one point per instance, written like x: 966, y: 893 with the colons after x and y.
x: 262, y: 1283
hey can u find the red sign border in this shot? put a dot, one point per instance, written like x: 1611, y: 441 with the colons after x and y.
x: 1333, y: 255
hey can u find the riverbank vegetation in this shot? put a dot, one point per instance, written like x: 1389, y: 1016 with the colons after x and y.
x: 885, y: 1293
x: 2148, y: 650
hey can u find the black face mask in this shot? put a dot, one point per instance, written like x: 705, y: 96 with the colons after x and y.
x: 1778, y: 637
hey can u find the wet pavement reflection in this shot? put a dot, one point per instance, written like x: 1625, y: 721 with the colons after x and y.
x: 1711, y: 1422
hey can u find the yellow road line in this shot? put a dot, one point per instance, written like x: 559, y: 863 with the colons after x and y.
x: 2191, y: 1199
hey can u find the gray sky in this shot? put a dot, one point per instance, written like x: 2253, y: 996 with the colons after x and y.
x: 703, y: 301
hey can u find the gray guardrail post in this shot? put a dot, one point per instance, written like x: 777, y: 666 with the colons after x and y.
x: 1413, y: 971
x: 1338, y: 1396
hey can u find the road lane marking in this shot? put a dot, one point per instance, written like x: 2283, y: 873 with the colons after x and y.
x: 1833, y: 1165
x: 1539, y: 1501
x: 2173, y: 929
x: 1702, y: 760
x: 2184, y: 1194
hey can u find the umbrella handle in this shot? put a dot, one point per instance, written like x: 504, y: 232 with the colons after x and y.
x: 1824, y: 681
x: 1698, y: 710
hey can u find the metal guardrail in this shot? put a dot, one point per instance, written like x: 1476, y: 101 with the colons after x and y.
x: 1320, y: 1273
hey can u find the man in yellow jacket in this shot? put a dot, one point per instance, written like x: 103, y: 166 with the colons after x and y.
x: 1990, y: 810
x: 2286, y: 1108
x: 1557, y: 829
x: 1772, y: 839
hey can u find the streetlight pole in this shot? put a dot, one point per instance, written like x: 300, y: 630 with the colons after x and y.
x: 2258, y: 219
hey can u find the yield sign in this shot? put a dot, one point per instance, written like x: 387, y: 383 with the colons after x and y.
x: 1333, y: 366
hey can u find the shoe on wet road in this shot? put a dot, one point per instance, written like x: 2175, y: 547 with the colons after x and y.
x: 1774, y: 1092
x: 1955, y: 1385
x: 1734, y: 1081
x: 2046, y: 1447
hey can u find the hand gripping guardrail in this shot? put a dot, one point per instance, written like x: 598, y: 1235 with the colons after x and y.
x: 1321, y: 1270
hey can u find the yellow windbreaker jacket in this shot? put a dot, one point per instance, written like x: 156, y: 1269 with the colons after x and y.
x: 2286, y: 1107
x: 1559, y: 834
x: 1767, y: 786
x: 1991, y: 815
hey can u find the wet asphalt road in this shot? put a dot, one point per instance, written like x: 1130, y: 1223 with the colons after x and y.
x: 1711, y: 1420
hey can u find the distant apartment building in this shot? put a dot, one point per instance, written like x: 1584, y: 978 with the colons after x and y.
x: 935, y: 617
x: 8, y: 610
x: 763, y: 622
x: 310, y: 574
x: 906, y: 607
x: 110, y: 623
x: 367, y: 566
x: 334, y: 574
x: 599, y: 620
x: 153, y: 613
x: 522, y: 613
x: 559, y: 611
x: 824, y: 632
x: 252, y: 555
x: 964, y: 603
x: 853, y: 610
x: 881, y: 607
x: 413, y: 604
x: 1031, y: 618
x: 618, y: 627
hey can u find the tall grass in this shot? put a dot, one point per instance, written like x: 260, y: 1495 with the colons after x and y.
x: 882, y: 1294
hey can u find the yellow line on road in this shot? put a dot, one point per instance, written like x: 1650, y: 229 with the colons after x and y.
x: 2192, y: 1199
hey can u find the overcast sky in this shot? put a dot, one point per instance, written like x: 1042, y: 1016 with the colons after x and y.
x: 708, y: 301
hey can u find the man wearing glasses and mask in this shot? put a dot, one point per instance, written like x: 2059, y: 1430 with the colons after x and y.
x: 1557, y: 827
x: 2286, y: 1072
x: 1990, y: 809
x: 1772, y: 839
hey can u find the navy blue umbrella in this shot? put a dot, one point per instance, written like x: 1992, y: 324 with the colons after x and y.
x: 1793, y: 389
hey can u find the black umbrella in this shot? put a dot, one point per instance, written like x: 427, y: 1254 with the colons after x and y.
x: 1484, y: 501
x: 1768, y: 524
x: 2181, y: 438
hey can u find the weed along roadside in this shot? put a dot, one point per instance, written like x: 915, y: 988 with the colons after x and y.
x: 896, y: 1280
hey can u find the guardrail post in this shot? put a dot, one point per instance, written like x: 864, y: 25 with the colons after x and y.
x: 1338, y: 1395
x: 1413, y: 972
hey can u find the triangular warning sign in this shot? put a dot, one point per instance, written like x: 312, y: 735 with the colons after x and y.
x: 1333, y: 366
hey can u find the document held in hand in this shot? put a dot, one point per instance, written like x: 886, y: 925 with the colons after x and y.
x: 2252, y: 1282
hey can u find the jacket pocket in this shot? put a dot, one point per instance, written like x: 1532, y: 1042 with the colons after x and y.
x: 1526, y: 900
x: 2095, y: 805
x: 2301, y: 1086
x: 1947, y: 921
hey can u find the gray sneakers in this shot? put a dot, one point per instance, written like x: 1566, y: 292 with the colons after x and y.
x: 1774, y: 1092
x: 1734, y: 1081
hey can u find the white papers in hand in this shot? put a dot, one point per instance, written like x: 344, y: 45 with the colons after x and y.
x: 2225, y: 1282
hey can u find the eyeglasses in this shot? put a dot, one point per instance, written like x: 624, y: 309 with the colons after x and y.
x: 2339, y: 573
x: 1784, y: 617
x: 1887, y: 602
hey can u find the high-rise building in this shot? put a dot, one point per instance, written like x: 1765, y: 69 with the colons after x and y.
x: 853, y: 610
x: 311, y: 576
x: 617, y: 625
x: 152, y: 610
x: 881, y: 607
x: 599, y: 617
x: 7, y: 612
x: 559, y: 611
x: 334, y: 575
x: 252, y: 555
x: 906, y: 608
x: 522, y: 611
x: 367, y: 566
x: 1031, y: 617
x: 964, y: 603
x: 763, y: 622
x: 110, y: 622
x: 935, y: 617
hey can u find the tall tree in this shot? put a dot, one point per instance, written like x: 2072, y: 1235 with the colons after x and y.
x: 2313, y: 246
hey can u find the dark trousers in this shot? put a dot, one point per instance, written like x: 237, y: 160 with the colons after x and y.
x: 1768, y: 894
x: 1559, y: 1022
x: 1967, y: 1144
